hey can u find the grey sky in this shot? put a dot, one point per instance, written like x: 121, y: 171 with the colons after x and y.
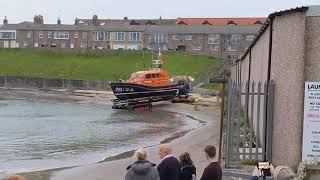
x: 67, y: 10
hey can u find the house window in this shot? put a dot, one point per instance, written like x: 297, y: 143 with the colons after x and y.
x: 84, y: 35
x: 40, y: 34
x: 99, y: 36
x: 235, y: 39
x: 174, y: 37
x: 7, y: 34
x: 232, y: 49
x: 36, y: 45
x: 63, y: 45
x: 188, y: 37
x: 119, y: 36
x: 157, y: 38
x: 214, y: 47
x: 249, y: 38
x: 197, y: 48
x: 76, y: 34
x: 213, y: 39
x: 29, y: 34
x: 6, y: 44
x: 49, y: 35
x: 61, y: 35
x: 72, y: 45
x: 13, y: 44
x: 134, y: 36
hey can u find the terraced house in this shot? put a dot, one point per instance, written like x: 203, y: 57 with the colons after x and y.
x: 224, y: 40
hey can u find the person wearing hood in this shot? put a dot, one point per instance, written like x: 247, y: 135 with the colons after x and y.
x: 142, y: 169
x: 188, y: 170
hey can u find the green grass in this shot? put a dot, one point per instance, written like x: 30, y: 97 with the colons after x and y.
x: 212, y: 86
x: 97, y: 66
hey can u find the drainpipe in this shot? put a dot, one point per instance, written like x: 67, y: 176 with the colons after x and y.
x: 270, y: 49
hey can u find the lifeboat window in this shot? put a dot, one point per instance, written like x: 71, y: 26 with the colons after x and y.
x: 137, y: 75
x: 148, y: 76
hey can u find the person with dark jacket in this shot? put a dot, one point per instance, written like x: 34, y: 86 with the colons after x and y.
x: 142, y: 169
x: 213, y: 171
x: 188, y: 170
x: 169, y: 167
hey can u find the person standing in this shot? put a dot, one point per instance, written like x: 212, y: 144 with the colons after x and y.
x: 188, y: 170
x: 142, y: 169
x: 169, y: 167
x: 213, y: 171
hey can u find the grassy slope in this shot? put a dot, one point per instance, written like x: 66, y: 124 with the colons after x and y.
x: 96, y: 66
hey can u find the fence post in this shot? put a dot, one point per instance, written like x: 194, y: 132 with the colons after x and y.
x: 5, y: 81
x: 229, y: 125
x: 269, y: 121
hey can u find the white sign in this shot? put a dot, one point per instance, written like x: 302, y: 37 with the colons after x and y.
x: 311, y: 121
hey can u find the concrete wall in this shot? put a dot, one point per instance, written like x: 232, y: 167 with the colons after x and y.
x: 53, y: 83
x: 312, y: 66
x: 287, y: 70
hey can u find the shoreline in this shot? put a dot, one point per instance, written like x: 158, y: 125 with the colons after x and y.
x: 97, y: 98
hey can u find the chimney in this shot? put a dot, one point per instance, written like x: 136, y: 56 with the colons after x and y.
x: 38, y: 19
x: 76, y: 21
x: 59, y: 21
x: 95, y: 20
x: 5, y: 21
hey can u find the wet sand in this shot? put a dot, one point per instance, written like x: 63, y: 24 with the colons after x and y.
x: 114, y: 168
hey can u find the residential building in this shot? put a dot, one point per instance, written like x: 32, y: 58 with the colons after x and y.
x: 226, y: 41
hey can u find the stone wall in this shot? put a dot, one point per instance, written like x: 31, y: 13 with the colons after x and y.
x: 51, y: 83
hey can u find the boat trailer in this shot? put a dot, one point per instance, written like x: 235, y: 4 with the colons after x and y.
x: 143, y: 104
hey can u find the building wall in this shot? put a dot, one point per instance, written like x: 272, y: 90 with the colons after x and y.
x: 312, y: 65
x: 287, y: 71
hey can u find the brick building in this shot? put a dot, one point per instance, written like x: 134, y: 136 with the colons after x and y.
x: 222, y: 40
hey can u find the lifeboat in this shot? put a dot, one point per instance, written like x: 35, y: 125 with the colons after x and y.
x: 153, y: 84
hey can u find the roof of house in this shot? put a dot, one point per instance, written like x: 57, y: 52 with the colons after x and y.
x: 129, y: 21
x: 203, y: 29
x: 45, y: 27
x: 221, y: 21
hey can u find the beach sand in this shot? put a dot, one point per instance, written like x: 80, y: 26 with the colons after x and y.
x: 114, y: 168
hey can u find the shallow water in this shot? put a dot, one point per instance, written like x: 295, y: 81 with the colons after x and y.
x: 43, y: 135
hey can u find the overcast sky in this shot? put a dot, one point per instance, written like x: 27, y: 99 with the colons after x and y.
x: 68, y: 10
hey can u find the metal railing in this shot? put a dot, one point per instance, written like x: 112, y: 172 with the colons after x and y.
x: 249, y: 122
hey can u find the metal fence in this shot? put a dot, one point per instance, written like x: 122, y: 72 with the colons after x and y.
x: 51, y: 83
x: 249, y: 122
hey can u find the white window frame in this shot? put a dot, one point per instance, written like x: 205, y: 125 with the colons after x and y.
x: 14, y: 32
x: 135, y: 38
x: 213, y: 38
x: 61, y: 35
x: 174, y: 37
x: 40, y: 34
x: 230, y: 49
x: 250, y: 37
x: 235, y: 39
x: 85, y: 35
x: 188, y: 37
x: 49, y: 35
x: 96, y: 36
x: 197, y: 48
x: 5, y: 44
x: 76, y: 35
x: 29, y: 34
x: 116, y: 36
x: 157, y: 38
x: 71, y: 45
